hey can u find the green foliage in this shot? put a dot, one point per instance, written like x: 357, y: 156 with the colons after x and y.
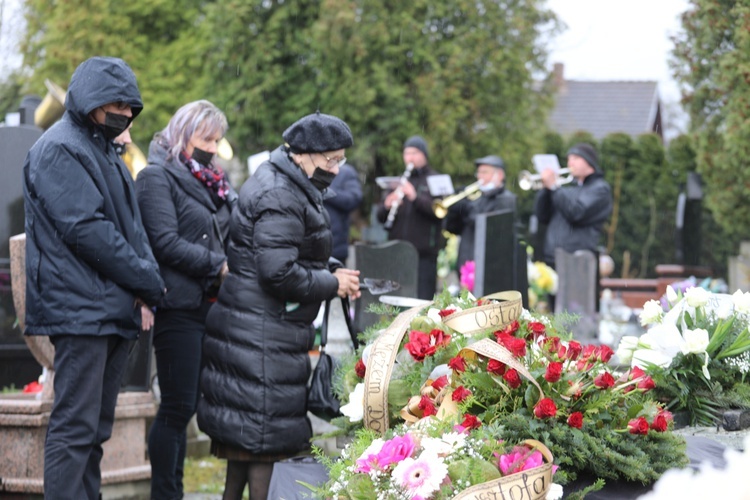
x: 711, y: 59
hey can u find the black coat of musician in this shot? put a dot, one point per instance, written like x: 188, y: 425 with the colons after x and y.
x: 574, y: 215
x: 494, y: 197
x: 415, y: 220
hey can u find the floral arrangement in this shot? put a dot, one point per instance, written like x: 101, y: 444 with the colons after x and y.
x: 433, y: 461
x: 697, y: 351
x: 542, y: 283
x: 522, y: 379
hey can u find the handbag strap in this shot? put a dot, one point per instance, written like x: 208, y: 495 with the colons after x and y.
x: 347, y: 319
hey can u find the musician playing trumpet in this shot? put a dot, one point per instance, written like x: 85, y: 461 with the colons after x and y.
x: 407, y: 210
x: 575, y: 216
x: 462, y: 216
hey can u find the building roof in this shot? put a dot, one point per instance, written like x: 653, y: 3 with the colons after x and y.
x: 605, y: 107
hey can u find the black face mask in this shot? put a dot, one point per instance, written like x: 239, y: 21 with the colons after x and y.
x: 321, y: 179
x: 202, y: 157
x: 115, y: 124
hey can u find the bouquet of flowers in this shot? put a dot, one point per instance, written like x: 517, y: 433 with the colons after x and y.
x: 542, y: 283
x: 488, y: 366
x: 433, y: 461
x: 697, y: 351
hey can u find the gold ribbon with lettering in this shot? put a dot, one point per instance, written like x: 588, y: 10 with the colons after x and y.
x: 496, y: 315
x: 532, y: 484
x: 379, y: 367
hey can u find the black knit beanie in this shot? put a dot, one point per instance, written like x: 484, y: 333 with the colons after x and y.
x: 418, y: 142
x: 588, y: 153
x: 317, y: 133
x: 491, y: 160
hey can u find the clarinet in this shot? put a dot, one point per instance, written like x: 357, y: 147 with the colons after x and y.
x: 400, y: 196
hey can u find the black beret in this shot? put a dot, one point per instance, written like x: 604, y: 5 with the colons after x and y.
x: 588, y: 153
x: 418, y: 142
x: 491, y: 160
x: 317, y: 133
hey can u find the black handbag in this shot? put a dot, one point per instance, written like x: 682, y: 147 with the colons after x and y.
x: 321, y: 401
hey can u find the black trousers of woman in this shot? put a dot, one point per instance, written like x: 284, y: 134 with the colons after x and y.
x: 178, y: 338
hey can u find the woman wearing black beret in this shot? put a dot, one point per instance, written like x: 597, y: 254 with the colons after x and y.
x: 259, y: 332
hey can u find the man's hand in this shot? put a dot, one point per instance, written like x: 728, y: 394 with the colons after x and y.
x: 147, y: 318
x: 549, y: 178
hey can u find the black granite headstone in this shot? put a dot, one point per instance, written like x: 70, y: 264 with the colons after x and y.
x: 499, y: 258
x: 393, y: 260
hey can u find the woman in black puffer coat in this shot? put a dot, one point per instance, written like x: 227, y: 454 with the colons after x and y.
x: 254, y: 380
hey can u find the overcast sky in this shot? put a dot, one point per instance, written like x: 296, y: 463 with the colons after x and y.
x: 618, y: 40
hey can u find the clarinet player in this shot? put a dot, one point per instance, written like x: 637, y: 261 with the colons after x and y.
x: 407, y: 210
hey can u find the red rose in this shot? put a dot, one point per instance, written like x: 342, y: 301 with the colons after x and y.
x: 457, y: 364
x: 635, y: 373
x: 660, y: 423
x: 420, y: 345
x: 545, y: 408
x: 584, y: 365
x: 360, y: 369
x: 447, y: 312
x: 511, y: 328
x: 604, y: 353
x: 512, y: 378
x: 574, y: 350
x: 588, y: 352
x: 496, y: 367
x: 646, y: 383
x: 550, y: 344
x: 553, y: 372
x: 638, y: 426
x: 516, y: 346
x: 471, y: 422
x: 440, y: 382
x: 576, y: 420
x: 604, y: 381
x: 536, y: 329
x: 427, y: 406
x: 460, y: 394
x: 441, y: 338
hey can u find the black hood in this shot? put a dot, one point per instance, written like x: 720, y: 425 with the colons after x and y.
x: 99, y: 81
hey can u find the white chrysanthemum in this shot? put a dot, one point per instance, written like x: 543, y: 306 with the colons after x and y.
x: 434, y: 314
x: 696, y: 341
x: 741, y: 301
x: 652, y: 313
x: 355, y: 408
x: 439, y: 371
x: 445, y: 445
x: 697, y: 296
x: 422, y: 476
x: 555, y: 492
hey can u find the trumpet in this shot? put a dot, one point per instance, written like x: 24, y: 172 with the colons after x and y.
x: 527, y: 180
x: 400, y: 196
x: 440, y: 207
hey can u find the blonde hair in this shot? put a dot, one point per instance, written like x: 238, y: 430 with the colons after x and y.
x: 195, y: 117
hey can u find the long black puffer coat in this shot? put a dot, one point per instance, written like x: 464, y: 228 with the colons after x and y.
x: 87, y: 254
x: 259, y: 332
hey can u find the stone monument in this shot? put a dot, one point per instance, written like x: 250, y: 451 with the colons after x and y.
x: 578, y: 277
x: 739, y: 269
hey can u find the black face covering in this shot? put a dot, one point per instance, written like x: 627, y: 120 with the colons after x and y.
x: 115, y: 124
x: 321, y: 179
x: 202, y: 157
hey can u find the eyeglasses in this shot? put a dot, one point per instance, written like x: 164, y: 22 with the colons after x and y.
x: 334, y: 161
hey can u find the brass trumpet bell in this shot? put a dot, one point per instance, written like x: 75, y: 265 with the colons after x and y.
x: 52, y: 106
x: 440, y: 207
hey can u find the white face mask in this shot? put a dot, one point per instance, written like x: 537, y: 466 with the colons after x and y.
x: 487, y: 187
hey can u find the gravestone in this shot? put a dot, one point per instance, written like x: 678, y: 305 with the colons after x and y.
x: 499, y: 258
x: 17, y: 365
x: 393, y: 260
x: 577, y: 290
x: 739, y: 269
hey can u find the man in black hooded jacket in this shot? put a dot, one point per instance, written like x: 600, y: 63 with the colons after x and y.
x: 89, y: 268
